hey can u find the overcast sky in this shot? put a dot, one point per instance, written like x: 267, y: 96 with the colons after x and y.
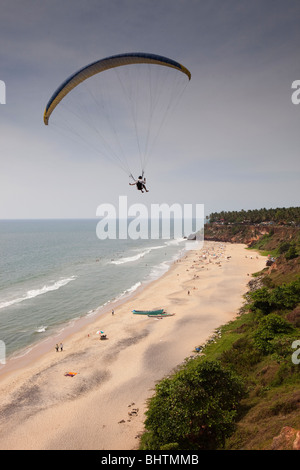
x: 232, y: 144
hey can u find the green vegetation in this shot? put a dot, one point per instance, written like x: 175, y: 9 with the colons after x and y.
x: 269, y: 333
x: 195, y: 409
x: 282, y: 216
x: 243, y: 387
x: 284, y: 246
x: 286, y: 296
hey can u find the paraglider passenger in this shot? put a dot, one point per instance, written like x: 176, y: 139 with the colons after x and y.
x: 140, y: 184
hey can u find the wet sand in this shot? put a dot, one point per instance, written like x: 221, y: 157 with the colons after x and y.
x: 103, y: 406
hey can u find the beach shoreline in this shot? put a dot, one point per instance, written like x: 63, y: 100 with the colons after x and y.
x: 29, y: 354
x: 103, y: 406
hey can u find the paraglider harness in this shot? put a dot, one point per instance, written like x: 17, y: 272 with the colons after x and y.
x: 140, y: 185
x: 140, y: 182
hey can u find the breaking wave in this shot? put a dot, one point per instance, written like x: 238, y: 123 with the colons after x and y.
x: 30, y: 294
x: 130, y: 259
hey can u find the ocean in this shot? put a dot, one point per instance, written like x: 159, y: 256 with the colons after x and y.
x: 55, y: 271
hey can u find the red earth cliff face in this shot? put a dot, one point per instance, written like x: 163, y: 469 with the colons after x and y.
x: 288, y: 439
x: 249, y: 234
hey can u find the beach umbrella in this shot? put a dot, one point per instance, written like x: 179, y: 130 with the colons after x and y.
x: 100, y: 332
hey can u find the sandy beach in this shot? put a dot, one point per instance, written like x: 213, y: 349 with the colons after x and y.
x: 103, y: 406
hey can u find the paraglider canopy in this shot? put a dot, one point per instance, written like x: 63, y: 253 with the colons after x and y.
x: 149, y: 86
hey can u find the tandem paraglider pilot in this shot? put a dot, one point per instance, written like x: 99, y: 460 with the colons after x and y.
x: 140, y: 184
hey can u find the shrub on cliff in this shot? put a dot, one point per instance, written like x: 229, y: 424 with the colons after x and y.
x: 286, y: 296
x: 195, y: 409
x: 268, y: 336
x: 291, y: 252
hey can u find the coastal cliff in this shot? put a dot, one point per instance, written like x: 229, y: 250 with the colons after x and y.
x: 258, y: 347
x: 250, y: 234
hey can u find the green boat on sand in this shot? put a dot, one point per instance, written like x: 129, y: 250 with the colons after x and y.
x: 159, y: 311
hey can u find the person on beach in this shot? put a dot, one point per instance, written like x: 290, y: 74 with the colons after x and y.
x: 61, y: 346
x: 140, y: 184
x: 56, y: 347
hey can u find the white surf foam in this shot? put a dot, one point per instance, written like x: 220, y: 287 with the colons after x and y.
x: 30, y: 294
x: 130, y: 259
x: 41, y: 329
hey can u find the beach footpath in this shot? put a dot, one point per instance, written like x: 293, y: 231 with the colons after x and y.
x: 93, y: 393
